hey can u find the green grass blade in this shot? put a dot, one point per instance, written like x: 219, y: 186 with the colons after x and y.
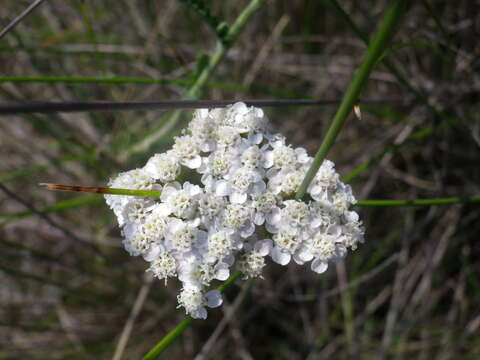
x: 375, y: 50
x: 101, y: 190
x: 16, y: 174
x: 418, y: 202
x: 64, y: 205
x: 168, y: 339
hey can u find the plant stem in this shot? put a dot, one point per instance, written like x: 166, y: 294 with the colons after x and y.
x: 375, y: 49
x: 101, y: 190
x: 418, y: 202
x: 168, y: 339
x: 184, y: 324
x: 402, y: 79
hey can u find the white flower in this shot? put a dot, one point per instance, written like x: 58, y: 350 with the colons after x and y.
x: 265, y: 206
x: 218, y: 163
x: 163, y: 167
x: 209, y: 206
x: 295, y: 213
x: 325, y: 179
x: 227, y: 136
x: 187, y: 149
x: 155, y: 223
x: 241, y: 212
x: 287, y: 240
x: 252, y: 157
x: 194, y: 301
x: 183, y: 237
x: 203, y: 128
x: 245, y: 119
x: 180, y: 202
x: 237, y: 216
x: 286, y: 182
x: 252, y: 262
x: 136, y: 179
x: 163, y: 266
x: 220, y: 243
x: 241, y: 183
x: 136, y: 242
x: 281, y: 157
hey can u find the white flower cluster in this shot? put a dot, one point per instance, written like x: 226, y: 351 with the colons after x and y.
x: 242, y: 211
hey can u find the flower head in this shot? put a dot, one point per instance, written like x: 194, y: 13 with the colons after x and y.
x: 241, y: 211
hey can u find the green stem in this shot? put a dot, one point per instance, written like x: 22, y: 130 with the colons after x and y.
x: 100, y: 80
x: 418, y: 202
x: 184, y: 324
x: 402, y: 79
x: 115, y: 191
x: 168, y: 339
x: 374, y: 52
x: 101, y: 190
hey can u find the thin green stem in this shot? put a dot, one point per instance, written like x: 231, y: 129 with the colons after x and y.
x: 100, y: 80
x: 418, y: 202
x: 375, y: 49
x: 229, y: 281
x: 101, y: 190
x: 184, y: 324
x: 388, y: 64
x: 168, y: 339
x: 402, y: 79
x: 64, y: 205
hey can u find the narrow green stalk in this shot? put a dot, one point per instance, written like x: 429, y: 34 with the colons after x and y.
x: 114, y: 80
x: 168, y: 339
x: 101, y: 190
x: 438, y: 23
x: 99, y: 80
x: 418, y: 202
x: 184, y: 324
x: 374, y: 52
x: 402, y: 79
x: 229, y: 281
x: 218, y: 26
x: 64, y: 205
x: 388, y: 64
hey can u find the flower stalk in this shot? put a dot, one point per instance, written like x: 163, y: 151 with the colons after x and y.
x: 359, y: 80
x: 100, y: 190
x: 417, y: 202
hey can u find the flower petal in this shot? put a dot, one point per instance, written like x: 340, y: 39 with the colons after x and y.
x: 263, y: 247
x: 280, y: 257
x: 222, y: 188
x: 319, y: 266
x: 193, y: 163
x: 214, y: 298
x: 238, y: 198
x: 199, y: 314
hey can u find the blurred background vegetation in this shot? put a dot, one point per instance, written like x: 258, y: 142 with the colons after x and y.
x: 69, y: 290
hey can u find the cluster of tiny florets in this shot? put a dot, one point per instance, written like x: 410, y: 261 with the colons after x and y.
x: 241, y: 211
